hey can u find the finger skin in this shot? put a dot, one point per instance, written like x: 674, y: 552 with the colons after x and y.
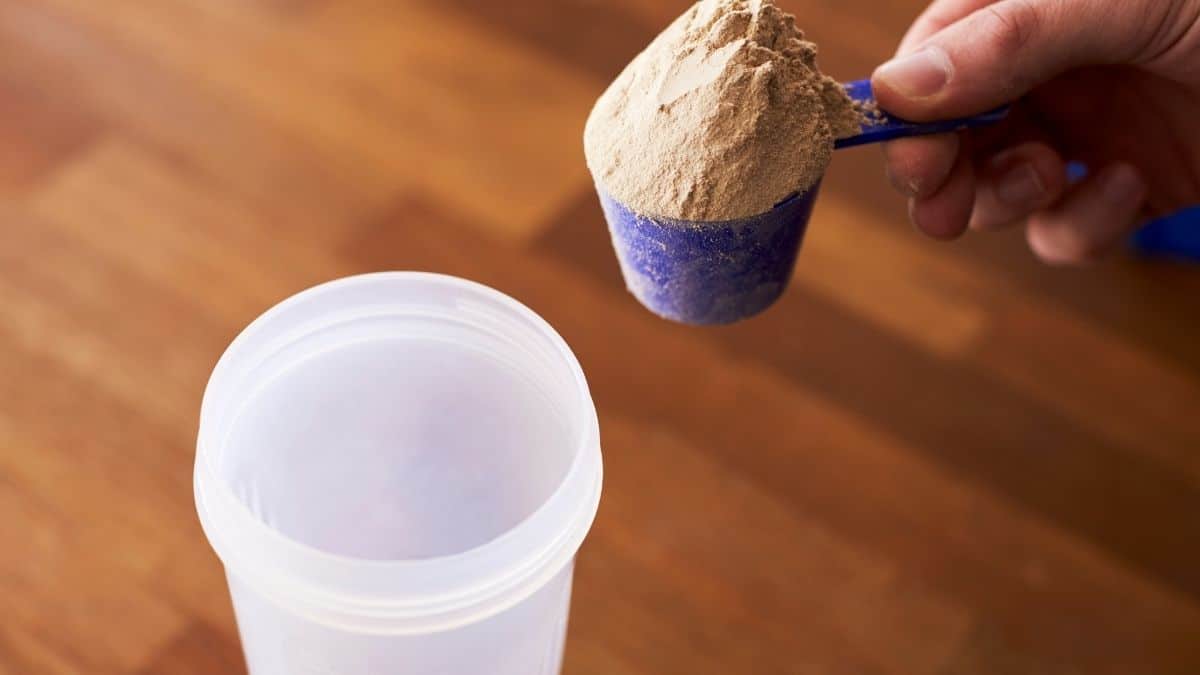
x: 919, y: 167
x: 944, y: 214
x: 1091, y: 219
x: 937, y: 16
x: 1002, y: 50
x: 1012, y: 184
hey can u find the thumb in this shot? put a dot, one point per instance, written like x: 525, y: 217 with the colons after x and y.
x: 998, y: 53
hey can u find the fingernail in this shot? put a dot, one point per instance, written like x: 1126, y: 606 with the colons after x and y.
x: 908, y: 188
x: 1123, y: 186
x: 1020, y: 186
x: 918, y: 75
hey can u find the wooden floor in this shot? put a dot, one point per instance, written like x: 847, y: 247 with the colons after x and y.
x: 928, y: 459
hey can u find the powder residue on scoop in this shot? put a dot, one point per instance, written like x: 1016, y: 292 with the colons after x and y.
x: 723, y: 116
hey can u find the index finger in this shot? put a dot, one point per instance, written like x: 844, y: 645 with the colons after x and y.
x: 938, y: 15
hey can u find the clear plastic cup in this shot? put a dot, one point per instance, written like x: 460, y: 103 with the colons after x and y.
x: 397, y: 470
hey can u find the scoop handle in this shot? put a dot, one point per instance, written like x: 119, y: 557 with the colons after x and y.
x: 888, y: 127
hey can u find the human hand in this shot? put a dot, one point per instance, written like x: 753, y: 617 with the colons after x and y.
x: 1112, y: 83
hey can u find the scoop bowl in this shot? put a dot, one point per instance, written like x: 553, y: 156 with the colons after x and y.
x: 719, y: 272
x: 704, y: 272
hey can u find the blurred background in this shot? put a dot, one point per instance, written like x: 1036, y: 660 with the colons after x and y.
x: 927, y: 459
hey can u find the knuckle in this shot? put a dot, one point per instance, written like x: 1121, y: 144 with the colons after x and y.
x: 934, y: 22
x: 1077, y: 245
x: 1013, y: 24
x: 919, y: 166
x: 903, y: 182
x: 1080, y: 249
x: 1164, y: 27
x: 1061, y: 243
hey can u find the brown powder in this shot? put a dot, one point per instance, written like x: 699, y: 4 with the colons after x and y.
x: 723, y: 116
x: 869, y: 112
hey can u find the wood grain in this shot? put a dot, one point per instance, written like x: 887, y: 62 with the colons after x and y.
x: 928, y: 459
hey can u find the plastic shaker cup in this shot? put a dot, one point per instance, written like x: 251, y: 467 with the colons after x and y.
x: 397, y: 470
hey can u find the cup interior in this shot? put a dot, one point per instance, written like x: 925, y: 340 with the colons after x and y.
x: 403, y: 438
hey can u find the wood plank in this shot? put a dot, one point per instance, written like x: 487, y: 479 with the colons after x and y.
x: 198, y: 650
x: 324, y: 95
x: 295, y: 183
x: 72, y: 590
x: 54, y: 290
x: 169, y: 225
x: 892, y: 281
x: 889, y: 279
x: 852, y: 469
x: 1143, y: 402
x: 940, y: 459
x: 1145, y: 303
x: 464, y: 128
x: 41, y: 130
x: 753, y: 560
x: 600, y: 38
x: 26, y: 653
x: 1011, y: 443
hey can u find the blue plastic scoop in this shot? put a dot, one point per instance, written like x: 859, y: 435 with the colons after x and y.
x: 700, y: 272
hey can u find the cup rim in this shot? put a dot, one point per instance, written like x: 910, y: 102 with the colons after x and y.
x: 808, y: 193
